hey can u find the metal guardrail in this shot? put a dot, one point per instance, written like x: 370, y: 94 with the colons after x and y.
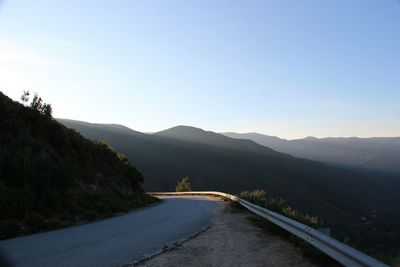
x: 339, y: 251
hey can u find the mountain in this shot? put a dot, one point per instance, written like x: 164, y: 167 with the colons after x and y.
x: 197, y: 135
x: 216, y: 162
x: 51, y: 176
x: 378, y: 154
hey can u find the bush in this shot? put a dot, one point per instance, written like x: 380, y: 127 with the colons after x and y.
x: 279, y: 205
x: 258, y: 197
x: 183, y: 185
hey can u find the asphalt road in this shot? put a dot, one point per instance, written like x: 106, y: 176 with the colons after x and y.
x: 114, y: 241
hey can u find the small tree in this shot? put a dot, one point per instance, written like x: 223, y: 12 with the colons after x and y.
x: 183, y: 185
x: 37, y: 104
x: 25, y: 96
x: 47, y: 110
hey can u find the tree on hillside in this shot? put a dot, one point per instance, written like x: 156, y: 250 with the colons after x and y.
x: 37, y: 104
x: 183, y: 185
x: 122, y: 157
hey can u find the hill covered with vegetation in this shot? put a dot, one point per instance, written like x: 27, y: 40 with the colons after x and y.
x: 352, y: 204
x: 51, y: 176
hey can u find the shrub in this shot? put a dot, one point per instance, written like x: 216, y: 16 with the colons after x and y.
x: 279, y: 205
x: 258, y: 197
x: 183, y: 185
x: 276, y: 204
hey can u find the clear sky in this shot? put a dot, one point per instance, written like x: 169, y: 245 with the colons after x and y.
x: 286, y: 68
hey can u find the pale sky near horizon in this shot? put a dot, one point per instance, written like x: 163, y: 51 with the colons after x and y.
x: 287, y: 68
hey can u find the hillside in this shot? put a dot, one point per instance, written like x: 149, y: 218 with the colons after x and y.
x: 378, y: 154
x: 51, y: 176
x: 215, y: 162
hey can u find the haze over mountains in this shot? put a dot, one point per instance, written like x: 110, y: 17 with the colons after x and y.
x: 216, y: 162
x: 378, y: 153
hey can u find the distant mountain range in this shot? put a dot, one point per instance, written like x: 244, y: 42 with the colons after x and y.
x: 216, y: 162
x: 378, y: 153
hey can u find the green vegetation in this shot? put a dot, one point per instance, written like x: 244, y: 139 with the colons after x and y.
x: 183, y: 185
x: 37, y: 104
x: 50, y: 176
x: 279, y: 205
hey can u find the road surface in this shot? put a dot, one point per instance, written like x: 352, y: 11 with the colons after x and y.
x: 114, y: 241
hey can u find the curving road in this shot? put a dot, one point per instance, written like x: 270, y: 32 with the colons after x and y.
x: 114, y: 241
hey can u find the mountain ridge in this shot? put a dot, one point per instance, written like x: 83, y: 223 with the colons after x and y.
x: 376, y: 153
x: 165, y: 157
x: 195, y: 134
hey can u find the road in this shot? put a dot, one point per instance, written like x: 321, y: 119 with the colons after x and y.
x: 114, y: 241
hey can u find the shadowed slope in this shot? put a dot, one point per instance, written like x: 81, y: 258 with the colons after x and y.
x: 51, y: 176
x: 215, y: 162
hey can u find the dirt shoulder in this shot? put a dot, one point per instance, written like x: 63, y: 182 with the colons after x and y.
x: 232, y: 241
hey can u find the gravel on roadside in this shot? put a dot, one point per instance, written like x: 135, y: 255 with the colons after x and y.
x: 231, y: 241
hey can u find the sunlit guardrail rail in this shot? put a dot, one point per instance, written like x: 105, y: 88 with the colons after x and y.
x: 339, y: 251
